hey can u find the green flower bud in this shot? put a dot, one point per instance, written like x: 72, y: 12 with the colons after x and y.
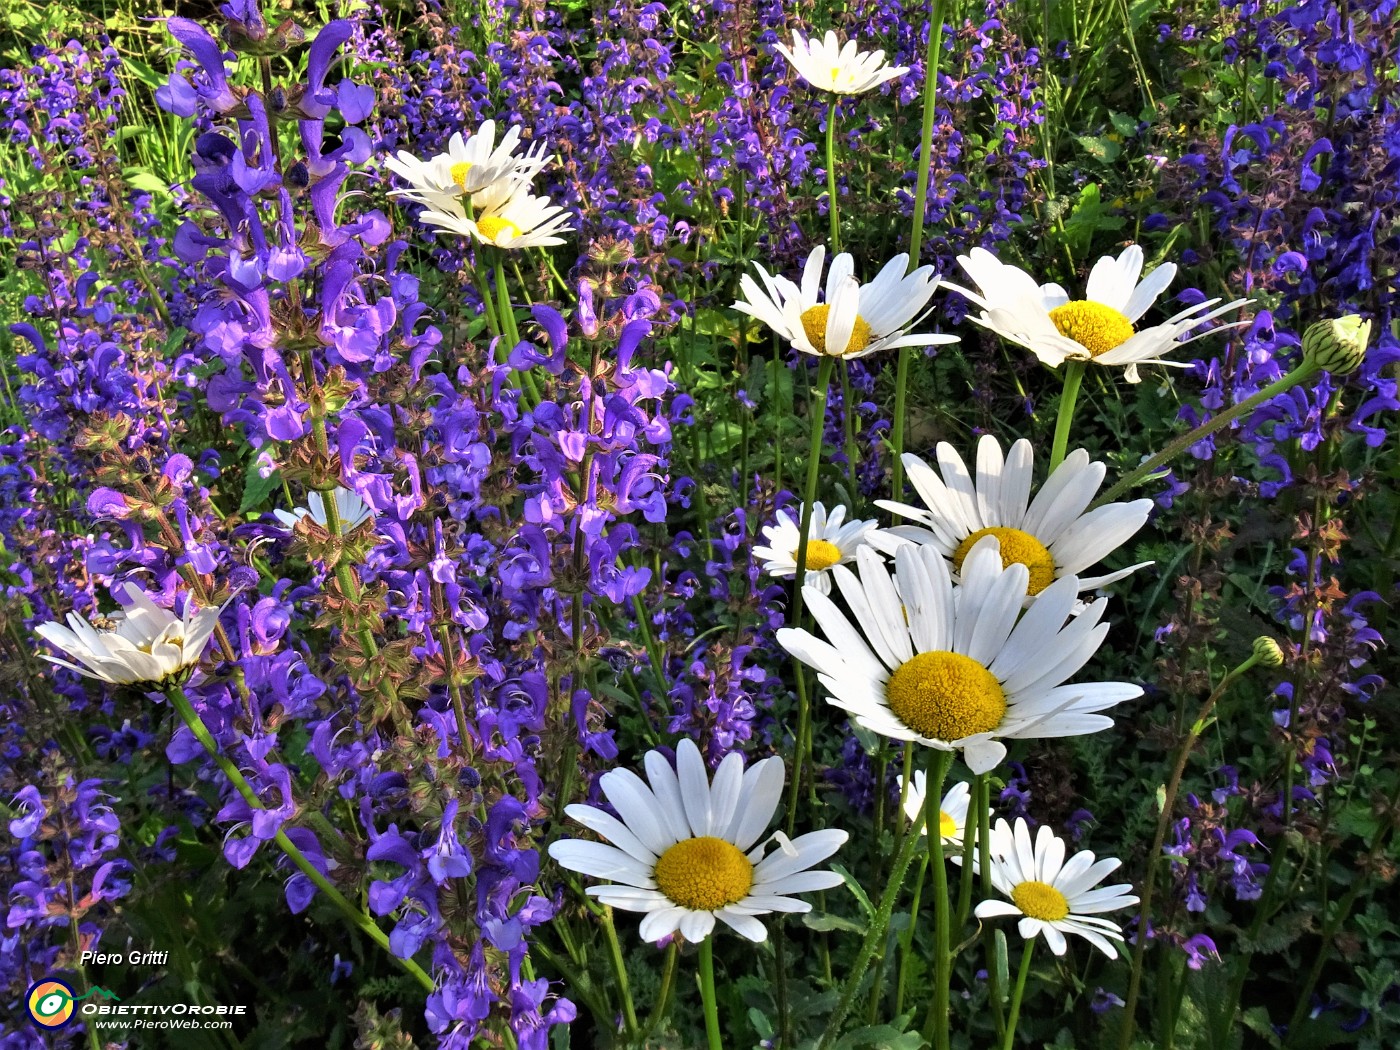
x: 1338, y: 345
x: 1267, y: 652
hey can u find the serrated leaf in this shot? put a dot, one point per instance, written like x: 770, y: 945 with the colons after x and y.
x: 257, y: 488
x: 880, y: 1037
x: 1123, y: 124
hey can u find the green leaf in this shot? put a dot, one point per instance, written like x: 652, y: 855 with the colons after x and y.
x: 1101, y: 148
x: 1123, y: 124
x: 257, y: 488
x: 826, y: 923
x: 146, y: 181
x: 855, y: 888
x: 880, y: 1037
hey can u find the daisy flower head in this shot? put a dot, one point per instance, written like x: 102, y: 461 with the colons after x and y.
x: 1053, y: 896
x: 1053, y: 536
x: 831, y: 540
x: 145, y: 646
x: 952, y: 811
x: 521, y: 220
x: 687, y: 851
x: 350, y: 510
x: 473, y: 166
x: 851, y: 319
x: 1100, y: 326
x: 829, y: 66
x: 956, y: 668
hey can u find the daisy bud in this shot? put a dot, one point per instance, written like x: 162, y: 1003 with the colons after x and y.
x: 1338, y: 344
x: 1268, y: 652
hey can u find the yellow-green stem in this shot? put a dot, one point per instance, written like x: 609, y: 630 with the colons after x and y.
x: 1064, y: 419
x: 936, y: 1024
x: 707, y: 993
x: 357, y: 918
x: 1016, y: 996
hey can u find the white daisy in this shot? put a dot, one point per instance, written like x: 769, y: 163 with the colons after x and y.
x: 952, y: 812
x: 1052, y: 535
x: 684, y: 850
x: 952, y: 668
x: 349, y: 508
x: 854, y: 319
x: 828, y: 66
x: 1097, y: 328
x: 521, y: 220
x: 831, y: 540
x: 1053, y: 896
x: 473, y: 166
x: 147, y: 645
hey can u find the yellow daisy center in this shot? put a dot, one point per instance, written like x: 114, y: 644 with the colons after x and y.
x: 1040, y: 900
x: 821, y: 554
x: 492, y: 226
x: 945, y: 696
x: 947, y: 826
x: 1016, y: 547
x: 459, y: 174
x: 814, y: 324
x: 1095, y: 327
x: 704, y: 873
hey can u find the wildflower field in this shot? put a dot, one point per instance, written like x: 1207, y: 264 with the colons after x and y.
x: 726, y: 524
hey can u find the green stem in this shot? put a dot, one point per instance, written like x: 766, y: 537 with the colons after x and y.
x: 1074, y: 376
x: 668, y: 983
x: 1154, y: 853
x: 707, y: 993
x: 834, y: 244
x: 874, y: 937
x: 1300, y: 374
x: 357, y: 918
x: 629, y: 1012
x: 936, y: 1024
x: 848, y: 426
x: 984, y: 856
x: 916, y: 230
x: 1016, y: 995
x: 965, y: 877
x: 802, y: 766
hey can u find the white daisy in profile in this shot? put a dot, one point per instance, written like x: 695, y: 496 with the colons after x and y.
x: 684, y: 849
x: 831, y: 540
x: 521, y: 220
x: 829, y: 66
x: 1052, y: 535
x: 349, y: 508
x: 956, y: 668
x: 851, y: 320
x: 1099, y: 327
x: 1053, y: 896
x: 146, y: 645
x: 473, y: 166
x: 952, y: 811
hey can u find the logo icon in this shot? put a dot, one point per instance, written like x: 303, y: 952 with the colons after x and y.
x: 50, y: 1003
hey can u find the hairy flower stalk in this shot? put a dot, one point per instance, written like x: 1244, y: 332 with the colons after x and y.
x: 176, y: 695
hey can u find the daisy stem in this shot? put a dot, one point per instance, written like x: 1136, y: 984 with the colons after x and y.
x: 629, y: 1012
x: 1016, y: 995
x: 1074, y: 377
x: 176, y: 695
x: 809, y: 495
x: 662, y: 1009
x: 965, y: 877
x: 984, y: 854
x: 835, y: 241
x: 1176, y: 447
x: 936, y: 1024
x: 916, y: 231
x: 848, y: 426
x: 1159, y: 837
x: 707, y: 993
x: 874, y: 937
